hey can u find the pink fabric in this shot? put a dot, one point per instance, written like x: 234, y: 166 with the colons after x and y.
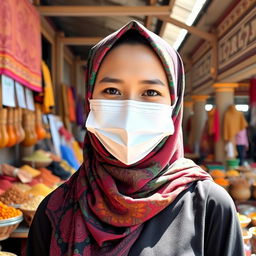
x: 20, y: 42
x: 242, y: 138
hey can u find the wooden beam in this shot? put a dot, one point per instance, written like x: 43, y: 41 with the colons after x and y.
x: 148, y: 19
x: 47, y: 31
x: 80, y: 40
x: 95, y: 11
x: 193, y: 30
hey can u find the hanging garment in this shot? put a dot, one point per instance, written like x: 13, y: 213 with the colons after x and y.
x: 48, y: 97
x: 253, y: 102
x: 71, y: 105
x: 234, y: 122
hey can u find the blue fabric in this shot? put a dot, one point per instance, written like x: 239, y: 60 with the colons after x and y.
x: 68, y: 155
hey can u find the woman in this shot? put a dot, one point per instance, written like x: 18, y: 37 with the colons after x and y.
x: 135, y: 194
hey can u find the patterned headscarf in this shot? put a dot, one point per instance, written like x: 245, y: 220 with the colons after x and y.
x: 102, y: 208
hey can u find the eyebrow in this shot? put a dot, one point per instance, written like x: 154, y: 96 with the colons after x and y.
x: 116, y: 80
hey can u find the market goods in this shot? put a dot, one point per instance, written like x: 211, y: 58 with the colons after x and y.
x: 40, y: 189
x: 21, y: 186
x: 217, y: 174
x: 32, y: 204
x: 19, y: 126
x: 7, y: 212
x: 40, y: 131
x: 233, y: 173
x: 10, y: 129
x: 5, y: 184
x: 29, y: 128
x: 13, y: 196
x: 32, y: 171
x: 3, y: 128
x: 222, y: 182
x: 244, y: 220
x: 38, y: 156
x: 48, y: 178
x: 240, y: 190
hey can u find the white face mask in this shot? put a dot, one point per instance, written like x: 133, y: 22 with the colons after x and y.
x: 129, y: 129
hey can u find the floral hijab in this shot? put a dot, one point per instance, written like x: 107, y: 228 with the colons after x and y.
x: 101, y: 209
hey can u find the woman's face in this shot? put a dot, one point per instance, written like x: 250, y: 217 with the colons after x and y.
x: 132, y: 72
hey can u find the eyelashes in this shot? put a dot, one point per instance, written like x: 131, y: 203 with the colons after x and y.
x: 147, y: 93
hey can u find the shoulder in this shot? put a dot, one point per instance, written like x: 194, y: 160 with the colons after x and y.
x: 214, y: 194
x: 218, y: 204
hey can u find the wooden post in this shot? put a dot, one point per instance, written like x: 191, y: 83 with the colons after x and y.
x: 148, y: 19
x: 59, y: 72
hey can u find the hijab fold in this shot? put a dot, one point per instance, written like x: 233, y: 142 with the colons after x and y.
x: 102, y: 208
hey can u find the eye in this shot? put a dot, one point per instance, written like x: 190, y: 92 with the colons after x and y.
x: 112, y: 91
x: 151, y: 93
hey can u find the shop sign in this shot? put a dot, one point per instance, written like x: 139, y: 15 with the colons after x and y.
x: 8, y: 96
x: 201, y: 70
x: 20, y: 95
x: 29, y: 99
x: 239, y: 43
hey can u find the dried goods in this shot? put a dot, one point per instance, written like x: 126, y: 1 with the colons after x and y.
x: 7, y: 212
x: 14, y: 196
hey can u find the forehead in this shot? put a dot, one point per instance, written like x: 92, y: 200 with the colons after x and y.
x: 138, y: 57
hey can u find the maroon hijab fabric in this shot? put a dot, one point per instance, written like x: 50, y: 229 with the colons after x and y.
x: 102, y: 208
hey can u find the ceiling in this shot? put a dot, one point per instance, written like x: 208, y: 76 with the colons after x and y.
x: 211, y: 11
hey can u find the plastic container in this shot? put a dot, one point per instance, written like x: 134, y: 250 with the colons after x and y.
x: 232, y: 163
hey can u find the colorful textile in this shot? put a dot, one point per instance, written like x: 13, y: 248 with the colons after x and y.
x: 234, y: 122
x: 242, y: 138
x: 213, y: 122
x: 48, y: 99
x: 20, y: 43
x: 80, y: 111
x: 67, y: 154
x: 101, y: 209
x: 253, y: 102
x: 71, y: 105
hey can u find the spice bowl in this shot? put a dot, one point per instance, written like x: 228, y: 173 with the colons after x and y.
x: 7, y: 226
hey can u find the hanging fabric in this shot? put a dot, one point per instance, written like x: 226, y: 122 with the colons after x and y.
x: 20, y: 43
x: 253, y: 102
x: 48, y: 99
x: 71, y: 105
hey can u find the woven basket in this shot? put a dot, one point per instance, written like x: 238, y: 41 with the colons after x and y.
x: 7, y: 226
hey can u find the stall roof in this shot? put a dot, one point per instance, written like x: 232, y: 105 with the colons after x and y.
x: 189, y: 12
